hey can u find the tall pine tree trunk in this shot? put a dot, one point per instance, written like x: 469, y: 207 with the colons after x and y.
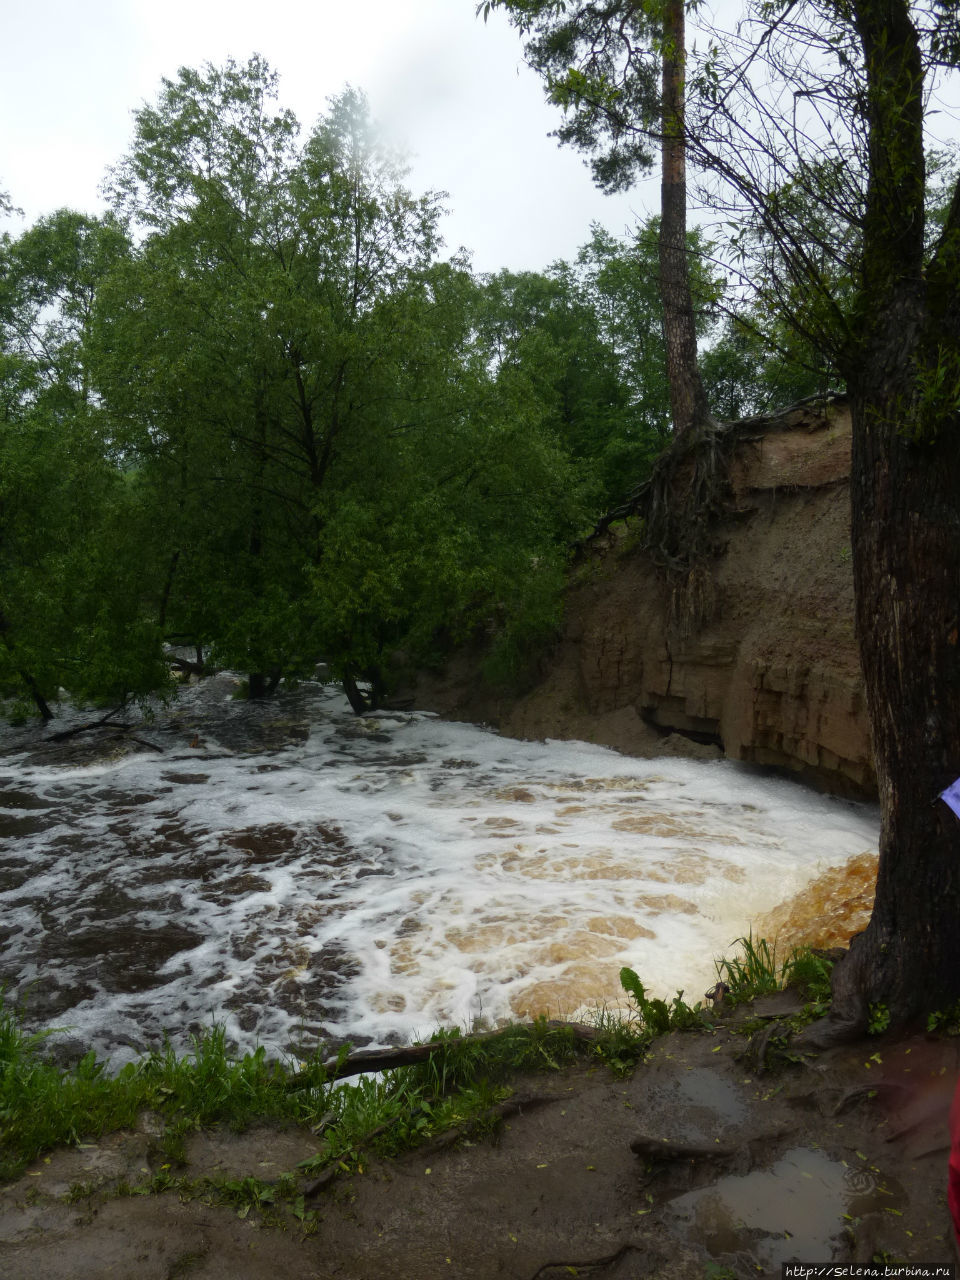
x: 688, y: 401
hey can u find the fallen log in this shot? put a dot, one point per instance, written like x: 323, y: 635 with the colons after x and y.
x: 411, y: 1055
x: 64, y: 734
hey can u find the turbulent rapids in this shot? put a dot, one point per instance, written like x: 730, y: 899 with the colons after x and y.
x: 294, y: 872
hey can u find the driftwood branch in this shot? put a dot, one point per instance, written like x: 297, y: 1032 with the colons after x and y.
x: 89, y: 727
x: 512, y: 1106
x: 412, y: 1055
x: 121, y: 731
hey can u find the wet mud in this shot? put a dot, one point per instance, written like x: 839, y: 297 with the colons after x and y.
x: 692, y: 1166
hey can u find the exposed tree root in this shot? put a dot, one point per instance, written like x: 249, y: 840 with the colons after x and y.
x: 679, y: 507
x: 495, y: 1115
x: 583, y: 1268
x: 848, y: 1017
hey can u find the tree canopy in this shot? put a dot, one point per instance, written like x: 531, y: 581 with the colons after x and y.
x: 266, y: 420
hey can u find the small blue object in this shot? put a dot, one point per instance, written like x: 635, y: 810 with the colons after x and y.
x: 952, y: 796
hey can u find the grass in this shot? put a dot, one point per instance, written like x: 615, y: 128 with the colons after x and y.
x: 43, y: 1105
x: 754, y: 970
x: 456, y: 1091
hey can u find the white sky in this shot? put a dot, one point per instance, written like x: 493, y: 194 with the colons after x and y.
x: 454, y: 92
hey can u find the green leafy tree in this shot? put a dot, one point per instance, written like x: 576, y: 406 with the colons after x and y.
x: 588, y: 338
x: 786, y: 328
x: 545, y: 344
x: 621, y: 280
x: 756, y: 365
x: 331, y: 468
x: 70, y: 600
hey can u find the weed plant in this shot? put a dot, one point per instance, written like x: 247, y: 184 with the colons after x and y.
x: 656, y: 1017
x: 43, y: 1105
x: 753, y: 970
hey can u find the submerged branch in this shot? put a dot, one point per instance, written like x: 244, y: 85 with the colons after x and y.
x: 106, y: 722
x: 103, y: 722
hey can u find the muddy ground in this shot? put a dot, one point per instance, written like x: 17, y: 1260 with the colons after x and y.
x: 698, y: 1165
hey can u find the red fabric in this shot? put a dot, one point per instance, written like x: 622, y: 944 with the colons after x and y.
x: 953, y: 1172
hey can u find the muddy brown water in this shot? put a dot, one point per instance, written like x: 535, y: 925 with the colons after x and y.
x: 296, y: 873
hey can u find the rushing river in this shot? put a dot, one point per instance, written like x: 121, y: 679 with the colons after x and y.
x: 293, y: 871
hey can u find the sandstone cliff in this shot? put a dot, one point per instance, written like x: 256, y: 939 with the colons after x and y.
x: 772, y: 677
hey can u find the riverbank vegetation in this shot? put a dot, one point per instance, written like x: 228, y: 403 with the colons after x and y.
x: 453, y: 1090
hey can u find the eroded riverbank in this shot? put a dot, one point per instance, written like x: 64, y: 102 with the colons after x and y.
x: 695, y: 1161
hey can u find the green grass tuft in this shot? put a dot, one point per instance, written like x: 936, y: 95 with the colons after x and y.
x: 43, y: 1105
x: 754, y: 970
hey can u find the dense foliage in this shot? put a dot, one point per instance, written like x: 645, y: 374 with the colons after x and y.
x: 251, y: 410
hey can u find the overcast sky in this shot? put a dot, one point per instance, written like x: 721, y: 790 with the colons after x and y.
x: 452, y: 90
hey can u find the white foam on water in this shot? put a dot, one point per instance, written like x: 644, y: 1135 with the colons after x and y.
x: 304, y: 873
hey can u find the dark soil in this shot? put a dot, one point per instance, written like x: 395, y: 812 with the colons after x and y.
x: 698, y: 1165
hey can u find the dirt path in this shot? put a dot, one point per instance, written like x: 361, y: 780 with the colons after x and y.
x: 697, y: 1166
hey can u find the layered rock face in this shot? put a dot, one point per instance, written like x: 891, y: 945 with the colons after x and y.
x: 772, y: 676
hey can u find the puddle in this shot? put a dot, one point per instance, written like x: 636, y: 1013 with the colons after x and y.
x: 793, y: 1210
x: 708, y: 1090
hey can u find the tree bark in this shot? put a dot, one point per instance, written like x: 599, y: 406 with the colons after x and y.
x: 40, y: 702
x: 263, y: 684
x: 354, y: 696
x: 167, y: 588
x: 359, y: 701
x: 905, y: 515
x: 906, y: 523
x: 688, y: 400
